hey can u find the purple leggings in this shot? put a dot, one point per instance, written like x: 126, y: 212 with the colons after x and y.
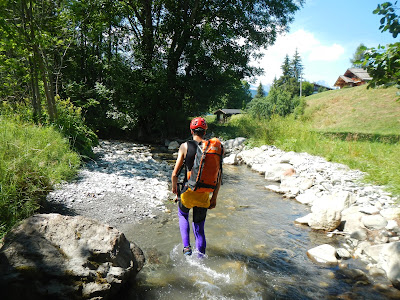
x: 199, y: 218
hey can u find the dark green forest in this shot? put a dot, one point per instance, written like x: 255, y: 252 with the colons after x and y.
x: 140, y: 67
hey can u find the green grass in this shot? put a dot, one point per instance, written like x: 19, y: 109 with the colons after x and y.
x: 379, y: 160
x: 355, y: 110
x: 32, y: 160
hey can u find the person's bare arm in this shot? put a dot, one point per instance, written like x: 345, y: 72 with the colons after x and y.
x: 213, y: 200
x: 179, y: 161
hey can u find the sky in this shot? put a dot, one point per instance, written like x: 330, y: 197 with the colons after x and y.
x: 326, y: 33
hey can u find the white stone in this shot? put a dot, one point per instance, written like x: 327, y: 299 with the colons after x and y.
x: 275, y: 171
x: 274, y: 188
x: 391, y: 213
x: 351, y: 217
x: 303, y: 220
x: 308, y: 197
x: 392, y: 224
x: 369, y: 210
x: 343, y: 253
x: 325, y: 214
x: 374, y: 222
x: 325, y: 254
x: 231, y: 159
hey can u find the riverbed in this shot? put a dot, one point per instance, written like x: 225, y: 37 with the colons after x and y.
x: 255, y: 251
x: 254, y: 248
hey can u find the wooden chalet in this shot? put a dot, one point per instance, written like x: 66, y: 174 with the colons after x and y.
x: 224, y: 113
x: 353, y: 77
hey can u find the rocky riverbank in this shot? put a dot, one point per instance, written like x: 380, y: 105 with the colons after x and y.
x: 366, y: 215
x: 123, y: 185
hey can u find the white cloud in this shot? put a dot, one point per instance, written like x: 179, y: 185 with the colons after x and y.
x: 312, y: 51
x: 326, y: 53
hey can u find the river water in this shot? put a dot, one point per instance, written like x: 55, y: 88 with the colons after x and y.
x: 254, y: 251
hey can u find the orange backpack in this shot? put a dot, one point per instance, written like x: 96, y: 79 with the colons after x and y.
x: 207, y: 166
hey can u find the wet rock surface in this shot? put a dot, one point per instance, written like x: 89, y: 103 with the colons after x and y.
x: 124, y: 184
x: 50, y: 256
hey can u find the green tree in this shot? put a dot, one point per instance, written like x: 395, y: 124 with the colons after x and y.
x: 307, y: 88
x: 128, y: 62
x: 383, y: 63
x: 260, y: 91
x: 358, y: 56
x: 296, y: 66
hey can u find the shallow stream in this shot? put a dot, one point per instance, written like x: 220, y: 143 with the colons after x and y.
x: 254, y: 251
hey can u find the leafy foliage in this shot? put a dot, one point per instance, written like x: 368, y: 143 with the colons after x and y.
x: 358, y: 56
x: 71, y: 124
x: 127, y: 63
x: 383, y: 62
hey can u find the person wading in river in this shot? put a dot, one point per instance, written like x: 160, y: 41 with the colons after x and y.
x: 196, y: 198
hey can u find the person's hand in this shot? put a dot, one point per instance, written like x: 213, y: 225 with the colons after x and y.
x: 213, y: 203
x: 175, y: 189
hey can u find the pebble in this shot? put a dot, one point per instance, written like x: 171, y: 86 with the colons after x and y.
x: 123, y: 184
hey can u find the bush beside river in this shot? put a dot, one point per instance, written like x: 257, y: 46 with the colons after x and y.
x: 32, y: 160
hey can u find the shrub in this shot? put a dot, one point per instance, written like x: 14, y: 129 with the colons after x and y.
x: 32, y: 160
x: 71, y: 124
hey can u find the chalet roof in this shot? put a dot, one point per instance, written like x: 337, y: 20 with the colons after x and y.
x: 360, y: 73
x: 346, y: 79
x: 353, y: 75
x: 228, y: 111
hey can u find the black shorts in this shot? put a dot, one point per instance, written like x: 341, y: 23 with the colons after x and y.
x: 199, y: 213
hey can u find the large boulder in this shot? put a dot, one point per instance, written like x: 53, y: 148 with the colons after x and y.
x: 50, y: 256
x: 325, y: 213
x: 351, y: 219
x: 388, y: 258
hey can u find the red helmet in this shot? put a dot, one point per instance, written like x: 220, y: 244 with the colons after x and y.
x: 198, y: 122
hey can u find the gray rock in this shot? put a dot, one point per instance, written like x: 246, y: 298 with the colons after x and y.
x: 360, y: 235
x: 390, y: 262
x: 343, y: 253
x: 65, y: 257
x: 374, y: 222
x: 376, y: 272
x: 174, y: 145
x: 354, y: 274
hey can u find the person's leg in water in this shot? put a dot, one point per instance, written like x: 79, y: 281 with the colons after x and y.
x: 199, y: 219
x: 183, y: 215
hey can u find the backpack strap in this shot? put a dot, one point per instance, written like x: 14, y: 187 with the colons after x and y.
x: 190, y: 155
x: 187, y: 165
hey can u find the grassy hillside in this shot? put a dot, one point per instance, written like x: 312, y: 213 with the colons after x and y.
x: 355, y: 110
x: 368, y: 114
